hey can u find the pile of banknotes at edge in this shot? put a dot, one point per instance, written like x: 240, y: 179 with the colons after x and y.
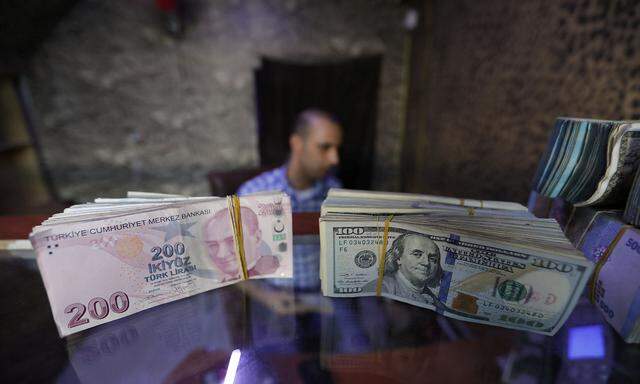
x: 595, y: 166
x: 114, y: 257
x: 488, y: 262
x: 604, y: 238
x: 589, y: 162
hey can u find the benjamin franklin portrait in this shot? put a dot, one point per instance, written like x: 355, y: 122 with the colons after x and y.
x: 412, y: 264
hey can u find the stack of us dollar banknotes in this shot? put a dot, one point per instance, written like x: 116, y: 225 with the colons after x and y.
x: 108, y: 259
x: 482, y: 261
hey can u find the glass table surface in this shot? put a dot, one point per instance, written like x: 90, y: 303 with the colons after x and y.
x: 255, y: 332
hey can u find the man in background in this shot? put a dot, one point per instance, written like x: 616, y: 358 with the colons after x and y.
x: 306, y: 177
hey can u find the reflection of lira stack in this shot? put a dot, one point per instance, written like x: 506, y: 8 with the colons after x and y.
x: 589, y: 162
x: 483, y: 261
x: 161, y: 339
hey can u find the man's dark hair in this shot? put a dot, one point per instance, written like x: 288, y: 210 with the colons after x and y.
x: 305, y: 119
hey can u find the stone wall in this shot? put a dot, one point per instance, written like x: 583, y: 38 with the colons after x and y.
x: 120, y: 105
x: 495, y: 76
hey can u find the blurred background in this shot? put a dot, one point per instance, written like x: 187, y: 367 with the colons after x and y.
x: 450, y: 97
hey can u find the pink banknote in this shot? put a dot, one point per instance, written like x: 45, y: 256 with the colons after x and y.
x: 99, y: 270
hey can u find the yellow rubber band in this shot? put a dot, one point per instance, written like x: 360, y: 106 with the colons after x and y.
x: 602, y: 261
x: 236, y: 222
x: 383, y: 253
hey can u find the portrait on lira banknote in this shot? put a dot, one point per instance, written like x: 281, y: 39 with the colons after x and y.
x: 412, y: 265
x: 218, y: 236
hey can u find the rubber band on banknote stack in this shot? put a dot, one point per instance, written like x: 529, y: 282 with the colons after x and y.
x: 383, y: 253
x: 236, y: 221
x: 471, y: 210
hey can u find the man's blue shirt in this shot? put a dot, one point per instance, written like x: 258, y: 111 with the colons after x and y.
x: 306, y: 254
x: 276, y: 179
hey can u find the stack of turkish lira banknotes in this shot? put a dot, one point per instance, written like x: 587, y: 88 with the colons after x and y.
x: 112, y: 258
x: 488, y: 262
x: 606, y: 240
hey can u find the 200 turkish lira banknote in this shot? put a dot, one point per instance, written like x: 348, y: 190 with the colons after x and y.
x: 105, y: 265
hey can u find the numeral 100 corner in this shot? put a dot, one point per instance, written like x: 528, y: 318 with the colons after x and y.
x: 341, y: 231
x: 98, y: 308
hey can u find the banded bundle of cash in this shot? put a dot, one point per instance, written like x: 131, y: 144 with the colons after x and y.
x: 616, y: 288
x: 488, y: 262
x: 614, y: 248
x: 112, y: 258
x: 589, y: 162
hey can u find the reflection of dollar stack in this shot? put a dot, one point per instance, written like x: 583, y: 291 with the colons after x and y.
x: 465, y: 303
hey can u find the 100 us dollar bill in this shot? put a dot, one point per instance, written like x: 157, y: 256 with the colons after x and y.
x: 457, y: 275
x: 102, y: 269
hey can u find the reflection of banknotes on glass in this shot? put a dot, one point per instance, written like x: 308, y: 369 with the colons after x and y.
x: 103, y: 264
x: 151, y: 346
x: 496, y: 268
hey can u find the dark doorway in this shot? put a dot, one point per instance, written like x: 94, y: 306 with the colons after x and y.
x: 25, y: 184
x: 348, y: 89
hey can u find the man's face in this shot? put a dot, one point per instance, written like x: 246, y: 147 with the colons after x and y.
x: 221, y: 247
x: 420, y: 259
x: 320, y: 147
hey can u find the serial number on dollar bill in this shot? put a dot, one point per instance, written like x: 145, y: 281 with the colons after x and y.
x: 510, y: 309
